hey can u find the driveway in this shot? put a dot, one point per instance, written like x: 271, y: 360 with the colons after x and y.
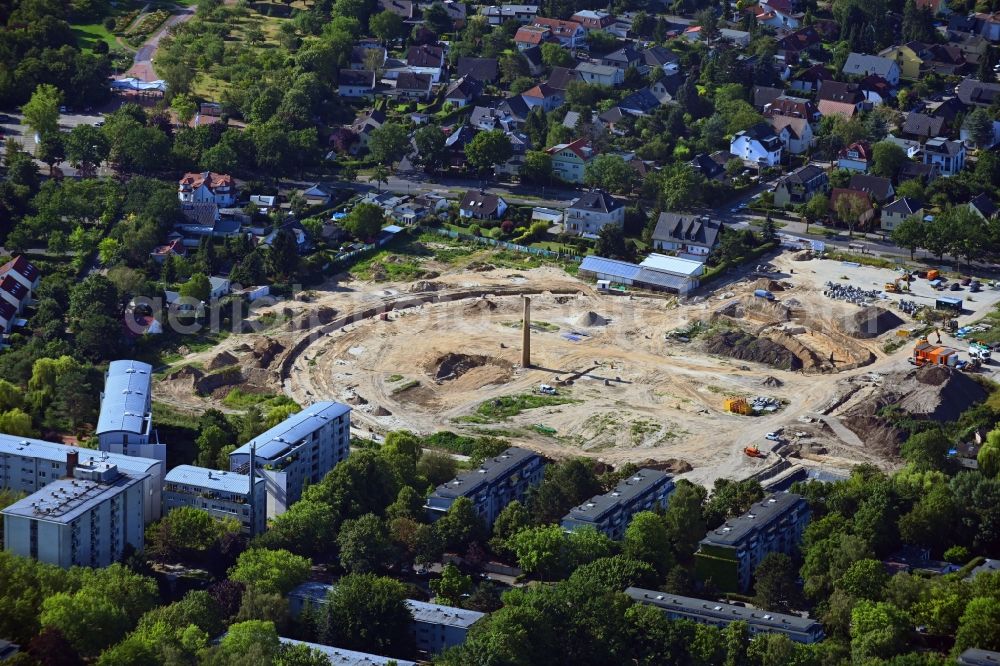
x: 142, y: 65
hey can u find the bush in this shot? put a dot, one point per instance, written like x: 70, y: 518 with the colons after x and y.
x: 109, y: 23
x: 101, y: 47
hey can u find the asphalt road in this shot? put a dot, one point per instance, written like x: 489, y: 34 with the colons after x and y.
x: 13, y: 127
x: 142, y: 62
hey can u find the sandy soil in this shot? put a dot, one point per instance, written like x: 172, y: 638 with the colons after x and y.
x: 637, y: 393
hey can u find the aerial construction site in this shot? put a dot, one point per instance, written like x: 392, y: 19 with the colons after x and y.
x: 789, y: 364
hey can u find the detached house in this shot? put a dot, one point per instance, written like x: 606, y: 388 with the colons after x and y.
x: 796, y: 134
x: 593, y: 20
x: 545, y: 96
x: 463, y: 92
x: 569, y: 33
x: 947, y: 155
x: 207, y: 187
x: 570, y: 159
x: 899, y: 210
x: 356, y: 83
x: 603, y: 75
x: 410, y: 85
x: 592, y: 212
x: 855, y: 157
x: 780, y: 14
x: 692, y: 236
x: 800, y: 186
x: 860, y: 65
x: 530, y: 36
x: 973, y: 92
x: 479, y: 205
x: 794, y: 107
x: 878, y: 188
x: 758, y: 145
x: 497, y: 14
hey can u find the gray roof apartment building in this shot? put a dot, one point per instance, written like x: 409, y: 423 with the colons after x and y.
x: 729, y: 554
x: 495, y: 484
x: 222, y: 494
x: 341, y: 657
x: 720, y: 614
x: 125, y: 424
x: 611, y: 513
x: 299, y: 450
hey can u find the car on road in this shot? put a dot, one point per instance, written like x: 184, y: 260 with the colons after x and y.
x: 99, y: 123
x: 547, y: 390
x: 773, y: 436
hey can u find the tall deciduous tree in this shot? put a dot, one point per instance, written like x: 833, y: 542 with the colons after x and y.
x: 41, y: 112
x: 367, y: 613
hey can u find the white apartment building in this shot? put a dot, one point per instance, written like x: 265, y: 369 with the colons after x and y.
x: 299, y: 450
x: 221, y: 494
x: 86, y: 519
x: 28, y: 465
x: 125, y: 424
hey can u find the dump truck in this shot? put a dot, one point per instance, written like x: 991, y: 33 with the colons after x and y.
x: 978, y: 350
x: 924, y: 353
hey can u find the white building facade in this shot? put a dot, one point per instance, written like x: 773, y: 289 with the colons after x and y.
x: 222, y: 494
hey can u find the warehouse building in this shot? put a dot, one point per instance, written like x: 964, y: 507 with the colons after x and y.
x: 222, y: 494
x: 86, y: 519
x: 298, y: 451
x: 495, y: 484
x: 658, y: 272
x: 27, y: 465
x: 610, y: 513
x: 720, y: 614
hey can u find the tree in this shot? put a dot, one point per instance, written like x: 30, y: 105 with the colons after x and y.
x: 388, y: 143
x: 927, y: 449
x: 768, y: 232
x: 197, y: 287
x: 684, y: 519
x: 41, y: 112
x: 878, y: 630
x: 977, y: 626
x: 270, y: 570
x: 554, y: 55
x: 887, y: 158
x: 283, y: 255
x: 647, y: 539
x: 488, y: 149
x: 367, y: 613
x: 51, y: 150
x: 187, y: 533
x: 910, y: 233
x: 989, y: 455
x: 387, y: 26
x: 541, y: 550
x: 254, y: 641
x: 537, y: 167
x: 364, y: 221
x: 437, y: 19
x: 380, y: 174
x: 364, y: 544
x: 979, y: 124
x: 185, y: 107
x: 86, y: 148
x: 565, y: 486
x: 709, y: 22
x: 431, y: 149
x: 460, y: 525
x: 98, y: 337
x: 611, y: 173
x: 94, y: 294
x: 774, y: 584
x: 306, y: 528
x: 611, y: 242
x: 849, y: 208
x: 451, y: 586
x: 89, y: 623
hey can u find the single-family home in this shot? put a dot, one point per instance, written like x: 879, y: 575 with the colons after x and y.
x: 207, y: 187
x: 811, y: 78
x: 796, y: 134
x: 921, y: 126
x: 401, y: 8
x: 918, y: 171
x: 761, y: 96
x: 531, y: 35
x: 862, y: 64
x: 781, y: 14
x: 948, y: 155
x: 356, y: 83
x: 520, y: 143
x: 22, y: 271
x: 708, y: 167
x: 413, y: 86
x: 174, y: 247
x: 983, y: 206
x: 973, y: 92
x: 593, y: 20
x: 425, y: 55
x: 879, y: 189
x: 545, y: 96
x: 662, y: 58
x: 480, y: 205
x: 837, y: 98
x: 603, y: 75
x: 935, y: 7
x: 794, y: 43
x: 855, y: 157
x: 689, y: 235
x: 794, y: 107
x: 498, y: 14
x: 623, y: 58
x: 317, y: 195
x: 989, y: 25
x: 463, y: 92
x: 758, y: 145
x: 570, y: 159
x: 593, y: 211
x: 486, y: 70
x: 368, y: 56
x: 569, y: 33
x: 220, y: 287
x: 800, y: 186
x: 899, y: 210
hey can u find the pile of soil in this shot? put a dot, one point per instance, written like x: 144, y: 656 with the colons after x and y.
x: 452, y: 365
x: 771, y: 381
x: 221, y: 360
x: 424, y: 285
x: 756, y: 308
x: 481, y: 305
x: 307, y: 320
x: 381, y: 411
x: 671, y: 465
x: 591, y: 318
x: 265, y: 349
x: 770, y: 285
x: 870, y: 322
x: 480, y: 267
x: 747, y: 347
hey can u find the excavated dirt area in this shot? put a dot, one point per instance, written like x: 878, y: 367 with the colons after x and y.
x: 425, y: 355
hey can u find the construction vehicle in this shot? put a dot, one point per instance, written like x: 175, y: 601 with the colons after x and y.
x: 924, y: 353
x: 933, y: 274
x: 754, y: 452
x: 737, y: 405
x: 979, y: 351
x: 897, y: 286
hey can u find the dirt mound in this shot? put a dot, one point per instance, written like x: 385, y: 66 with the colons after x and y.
x: 870, y: 322
x: 759, y: 309
x: 671, y: 465
x: 221, y: 360
x: 771, y: 381
x: 770, y: 285
x: 591, y: 318
x: 318, y: 317
x: 480, y: 267
x: 381, y: 411
x: 747, y: 347
x: 452, y: 366
x: 424, y: 285
x: 481, y: 305
x: 265, y: 349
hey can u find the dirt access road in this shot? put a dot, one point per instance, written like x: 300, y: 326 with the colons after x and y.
x: 142, y: 62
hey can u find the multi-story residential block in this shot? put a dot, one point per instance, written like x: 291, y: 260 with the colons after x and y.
x: 27, y: 465
x: 610, y: 513
x: 125, y: 424
x: 801, y: 185
x: 977, y: 657
x: 86, y: 519
x: 299, y: 450
x: 342, y: 657
x: 720, y: 614
x: 207, y: 187
x: 435, y: 627
x: 222, y: 494
x: 495, y: 484
x: 729, y: 554
x: 593, y: 211
x: 758, y: 145
x: 947, y: 155
x: 570, y: 159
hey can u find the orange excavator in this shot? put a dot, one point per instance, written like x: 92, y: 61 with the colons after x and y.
x: 754, y: 452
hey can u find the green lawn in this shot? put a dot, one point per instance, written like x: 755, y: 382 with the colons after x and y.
x: 89, y: 35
